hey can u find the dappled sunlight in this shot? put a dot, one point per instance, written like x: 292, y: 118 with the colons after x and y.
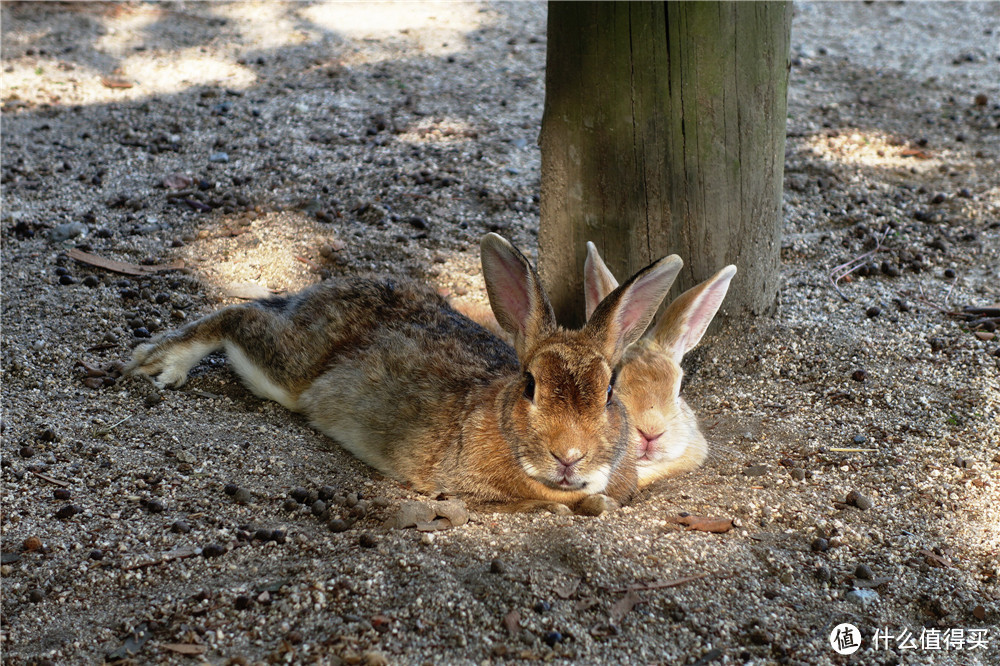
x: 437, y: 28
x: 872, y: 149
x: 444, y: 130
x: 140, y: 76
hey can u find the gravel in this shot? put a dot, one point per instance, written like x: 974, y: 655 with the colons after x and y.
x: 375, y: 139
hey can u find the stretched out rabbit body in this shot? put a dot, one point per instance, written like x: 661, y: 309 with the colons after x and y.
x: 425, y: 395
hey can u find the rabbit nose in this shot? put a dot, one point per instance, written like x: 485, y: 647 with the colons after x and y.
x: 649, y: 438
x: 568, y: 459
x: 646, y: 445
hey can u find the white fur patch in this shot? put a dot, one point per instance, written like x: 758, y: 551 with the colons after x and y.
x: 256, y: 379
x: 178, y: 360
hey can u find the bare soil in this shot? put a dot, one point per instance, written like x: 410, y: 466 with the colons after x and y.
x: 263, y: 145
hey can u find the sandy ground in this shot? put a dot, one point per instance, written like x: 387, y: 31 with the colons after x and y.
x: 261, y: 144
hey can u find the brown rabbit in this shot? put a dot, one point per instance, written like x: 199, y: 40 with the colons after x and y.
x: 666, y: 431
x: 425, y: 395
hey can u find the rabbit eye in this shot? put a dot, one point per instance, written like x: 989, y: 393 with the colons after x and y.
x: 611, y: 386
x: 529, y: 386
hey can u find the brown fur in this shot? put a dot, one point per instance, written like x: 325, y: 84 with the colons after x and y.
x: 427, y: 396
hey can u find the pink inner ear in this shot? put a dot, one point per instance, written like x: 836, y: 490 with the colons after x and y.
x: 510, y: 287
x: 700, y: 315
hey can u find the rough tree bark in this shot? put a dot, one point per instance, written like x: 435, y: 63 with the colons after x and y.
x: 664, y: 132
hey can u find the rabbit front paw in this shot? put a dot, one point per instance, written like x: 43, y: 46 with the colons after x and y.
x: 166, y: 363
x: 596, y: 505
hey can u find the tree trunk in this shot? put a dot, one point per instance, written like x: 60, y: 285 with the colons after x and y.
x: 664, y: 132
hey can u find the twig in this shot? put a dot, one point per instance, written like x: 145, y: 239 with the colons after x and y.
x: 46, y: 477
x: 948, y: 295
x: 854, y: 264
x: 660, y: 584
x: 105, y: 431
x: 308, y: 262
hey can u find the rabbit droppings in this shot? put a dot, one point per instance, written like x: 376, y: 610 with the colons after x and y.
x: 668, y: 439
x: 404, y: 382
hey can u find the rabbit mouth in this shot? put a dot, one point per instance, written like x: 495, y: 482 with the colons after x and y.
x: 648, y: 450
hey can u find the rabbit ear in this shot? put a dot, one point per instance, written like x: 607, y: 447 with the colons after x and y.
x: 684, y: 322
x: 622, y: 317
x: 515, y: 290
x: 598, y: 281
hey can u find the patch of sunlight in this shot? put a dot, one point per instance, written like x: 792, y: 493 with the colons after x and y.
x: 124, y: 30
x: 445, y: 130
x: 155, y: 75
x: 873, y: 150
x: 267, y: 26
x: 432, y: 28
x: 139, y: 76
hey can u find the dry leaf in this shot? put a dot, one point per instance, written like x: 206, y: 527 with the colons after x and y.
x: 119, y: 266
x: 936, y: 560
x: 568, y: 589
x: 704, y: 524
x: 116, y: 82
x: 985, y: 335
x: 585, y: 604
x: 178, y: 181
x: 512, y: 622
x: 184, y: 648
x: 623, y: 606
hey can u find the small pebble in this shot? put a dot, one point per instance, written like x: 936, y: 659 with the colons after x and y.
x: 26, y: 451
x: 318, y: 507
x: 279, y: 536
x: 241, y: 602
x: 822, y: 573
x: 67, y: 280
x: 141, y: 332
x: 755, y: 470
x: 498, y: 567
x: 67, y: 511
x: 62, y: 494
x: 836, y: 542
x: 47, y: 435
x: 859, y: 375
x: 218, y: 157
x: 860, y: 439
x: 242, y: 496
x: 326, y: 493
x: 367, y: 541
x: 96, y: 554
x: 299, y: 494
x: 339, y: 525
x: 856, y: 499
x: 862, y: 596
x: 263, y: 535
x: 820, y: 545
x: 290, y: 505
x: 553, y: 637
x: 91, y: 281
x: 230, y: 489
x: 155, y: 506
x: 31, y: 544
x: 213, y: 550
x: 873, y: 311
x: 949, y: 272
x: 36, y: 596
x: 180, y: 527
x: 797, y: 474
x: 864, y: 572
x: 542, y: 606
x: 937, y: 344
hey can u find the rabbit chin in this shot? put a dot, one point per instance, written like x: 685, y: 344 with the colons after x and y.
x: 593, y: 481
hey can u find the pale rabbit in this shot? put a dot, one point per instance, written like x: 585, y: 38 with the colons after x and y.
x: 666, y: 433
